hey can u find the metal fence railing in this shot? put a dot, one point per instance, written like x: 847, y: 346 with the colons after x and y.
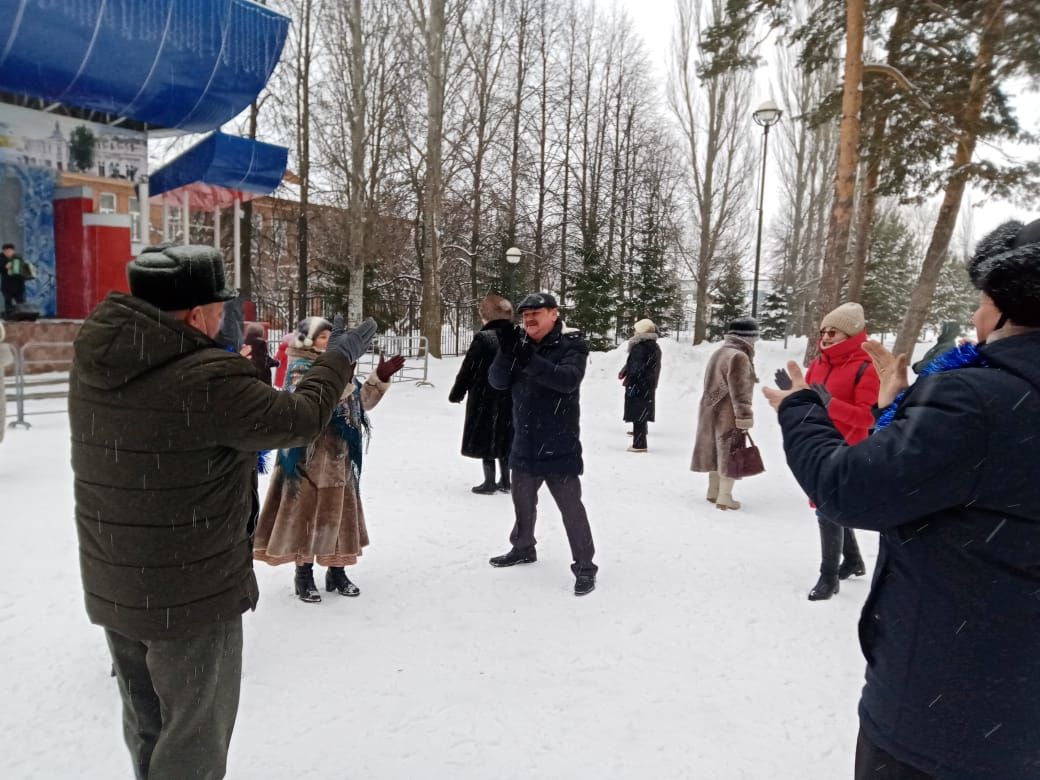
x: 414, y: 349
x: 30, y: 387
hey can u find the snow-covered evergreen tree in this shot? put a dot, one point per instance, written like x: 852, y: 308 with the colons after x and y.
x: 955, y: 296
x: 654, y: 287
x: 891, y: 271
x: 594, y: 292
x: 728, y: 301
x: 774, y: 315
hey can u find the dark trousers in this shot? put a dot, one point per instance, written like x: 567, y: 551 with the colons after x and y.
x: 835, y: 542
x: 639, y: 430
x: 566, y: 492
x: 873, y: 763
x: 180, y: 699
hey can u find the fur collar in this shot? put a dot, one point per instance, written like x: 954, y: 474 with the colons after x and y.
x: 636, y: 338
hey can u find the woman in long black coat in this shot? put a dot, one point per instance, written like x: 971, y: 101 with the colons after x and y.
x: 640, y: 375
x: 488, y: 431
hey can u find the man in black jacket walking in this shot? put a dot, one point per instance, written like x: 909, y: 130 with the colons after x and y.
x: 166, y: 425
x: 950, y: 478
x: 544, y: 366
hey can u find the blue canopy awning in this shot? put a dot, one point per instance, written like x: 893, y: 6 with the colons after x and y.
x: 223, y: 161
x: 182, y: 64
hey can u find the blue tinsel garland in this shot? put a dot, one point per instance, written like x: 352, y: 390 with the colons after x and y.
x: 964, y: 356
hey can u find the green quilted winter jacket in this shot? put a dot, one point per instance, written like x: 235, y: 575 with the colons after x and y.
x: 166, y: 427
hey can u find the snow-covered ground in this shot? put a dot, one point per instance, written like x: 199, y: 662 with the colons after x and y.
x: 698, y: 656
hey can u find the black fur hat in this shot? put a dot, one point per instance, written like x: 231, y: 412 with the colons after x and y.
x: 173, y: 278
x: 743, y: 327
x: 1006, y: 266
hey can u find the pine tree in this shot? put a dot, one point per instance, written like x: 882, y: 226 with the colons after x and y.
x: 729, y: 301
x: 955, y: 296
x: 654, y: 289
x: 891, y: 271
x: 595, y: 292
x: 774, y: 316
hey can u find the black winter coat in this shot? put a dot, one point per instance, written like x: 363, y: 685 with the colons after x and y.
x: 165, y: 432
x: 261, y: 358
x: 546, y: 403
x: 951, y: 628
x: 641, y: 372
x: 488, y: 430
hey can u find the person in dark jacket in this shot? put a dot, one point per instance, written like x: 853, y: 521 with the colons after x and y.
x: 947, y: 341
x: 639, y: 376
x: 166, y: 425
x: 488, y: 430
x: 544, y: 365
x: 258, y: 353
x: 845, y: 378
x: 12, y: 279
x: 951, y: 628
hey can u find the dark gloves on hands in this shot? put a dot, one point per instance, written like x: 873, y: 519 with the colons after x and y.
x: 387, y: 368
x: 338, y: 328
x: 783, y: 379
x: 823, y: 392
x: 513, y: 342
x: 352, y: 344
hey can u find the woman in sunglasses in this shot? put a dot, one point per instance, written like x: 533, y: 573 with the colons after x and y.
x: 844, y: 377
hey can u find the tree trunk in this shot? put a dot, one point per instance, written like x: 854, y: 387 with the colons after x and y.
x: 430, y: 314
x: 357, y: 207
x: 848, y: 161
x: 303, y: 103
x: 992, y: 26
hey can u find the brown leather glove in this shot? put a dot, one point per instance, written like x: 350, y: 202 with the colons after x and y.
x: 387, y: 368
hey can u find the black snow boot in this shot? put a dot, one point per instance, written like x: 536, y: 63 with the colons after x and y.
x: 304, y: 586
x: 584, y: 584
x: 488, y: 486
x: 851, y: 568
x: 336, y: 580
x: 852, y: 565
x: 824, y: 588
x: 513, y: 557
x: 503, y: 468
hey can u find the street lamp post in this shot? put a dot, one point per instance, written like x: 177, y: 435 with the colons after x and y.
x: 765, y: 116
x: 513, y: 255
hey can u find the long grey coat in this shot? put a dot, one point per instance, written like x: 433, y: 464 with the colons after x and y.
x: 729, y: 381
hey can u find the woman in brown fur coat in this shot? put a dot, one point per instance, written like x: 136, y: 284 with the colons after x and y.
x: 313, y: 508
x: 729, y: 380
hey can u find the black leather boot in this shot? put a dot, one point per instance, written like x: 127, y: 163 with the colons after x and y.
x: 336, y: 580
x: 824, y: 588
x: 488, y: 486
x: 304, y: 586
x: 503, y: 468
x: 852, y: 565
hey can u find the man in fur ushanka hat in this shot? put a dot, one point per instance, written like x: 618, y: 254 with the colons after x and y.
x: 950, y: 479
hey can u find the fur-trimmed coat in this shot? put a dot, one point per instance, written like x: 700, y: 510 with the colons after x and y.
x: 316, y: 513
x: 640, y: 375
x: 729, y: 381
x: 488, y: 430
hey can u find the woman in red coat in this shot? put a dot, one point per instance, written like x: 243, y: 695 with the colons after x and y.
x: 845, y: 379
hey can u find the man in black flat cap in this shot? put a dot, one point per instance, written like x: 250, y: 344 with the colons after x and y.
x: 543, y: 364
x: 166, y: 425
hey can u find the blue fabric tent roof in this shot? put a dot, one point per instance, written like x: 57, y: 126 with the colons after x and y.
x: 225, y: 161
x: 183, y: 64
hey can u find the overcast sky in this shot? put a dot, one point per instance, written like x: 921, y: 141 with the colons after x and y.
x: 653, y: 20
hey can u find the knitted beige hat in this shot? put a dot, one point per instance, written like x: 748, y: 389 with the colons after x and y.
x: 645, y: 326
x: 848, y: 318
